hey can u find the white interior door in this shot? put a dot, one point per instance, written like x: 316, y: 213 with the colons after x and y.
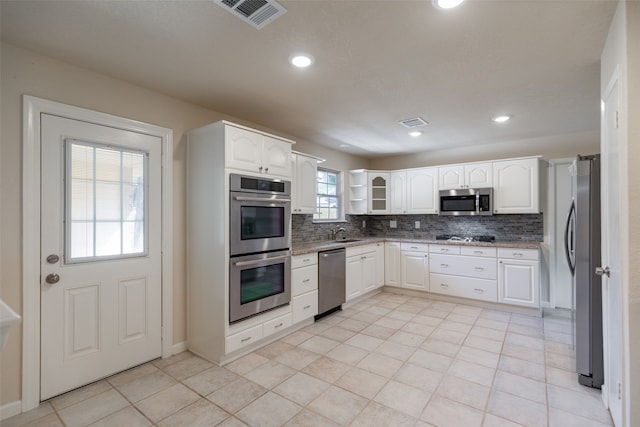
x: 100, y: 252
x: 612, y: 285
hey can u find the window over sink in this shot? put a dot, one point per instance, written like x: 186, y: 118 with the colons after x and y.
x: 328, y: 196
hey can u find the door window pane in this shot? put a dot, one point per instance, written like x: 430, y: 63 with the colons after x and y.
x: 105, y: 202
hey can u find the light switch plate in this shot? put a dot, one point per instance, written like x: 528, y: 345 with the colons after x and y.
x: 417, y: 224
x: 393, y: 224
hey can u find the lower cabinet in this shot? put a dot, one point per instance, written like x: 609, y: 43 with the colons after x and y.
x: 251, y: 335
x: 304, y: 286
x: 363, y: 272
x: 304, y: 306
x: 519, y: 277
x: 414, y: 267
x: 392, y: 264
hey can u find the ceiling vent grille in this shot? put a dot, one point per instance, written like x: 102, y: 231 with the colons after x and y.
x: 414, y: 122
x: 257, y: 13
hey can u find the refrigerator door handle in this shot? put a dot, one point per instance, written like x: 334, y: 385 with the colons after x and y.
x: 569, y: 238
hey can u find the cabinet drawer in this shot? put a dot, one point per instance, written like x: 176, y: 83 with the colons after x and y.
x: 530, y: 254
x: 304, y: 279
x: 368, y: 248
x: 465, y: 287
x: 414, y: 247
x: 244, y: 338
x: 478, y: 251
x: 445, y: 249
x: 353, y: 251
x: 480, y: 268
x: 276, y: 325
x: 305, y: 306
x: 304, y: 260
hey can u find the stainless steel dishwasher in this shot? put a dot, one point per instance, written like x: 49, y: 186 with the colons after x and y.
x: 331, y: 280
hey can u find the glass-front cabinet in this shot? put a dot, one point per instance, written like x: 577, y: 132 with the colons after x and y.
x: 378, y: 192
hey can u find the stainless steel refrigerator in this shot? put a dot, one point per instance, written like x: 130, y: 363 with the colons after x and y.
x: 582, y: 245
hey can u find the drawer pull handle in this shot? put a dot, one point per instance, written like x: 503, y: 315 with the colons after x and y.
x: 245, y: 339
x: 478, y: 252
x: 306, y: 260
x: 306, y: 307
x: 480, y: 291
x: 479, y: 268
x: 306, y: 280
x: 517, y: 254
x: 444, y: 285
x: 414, y: 247
x: 278, y: 325
x: 444, y: 265
x: 444, y: 250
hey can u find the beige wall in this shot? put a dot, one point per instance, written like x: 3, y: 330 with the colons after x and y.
x: 551, y: 147
x: 23, y: 72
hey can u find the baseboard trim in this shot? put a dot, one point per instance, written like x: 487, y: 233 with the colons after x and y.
x: 9, y: 410
x: 179, y: 347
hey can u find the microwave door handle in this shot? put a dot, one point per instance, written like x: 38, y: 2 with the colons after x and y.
x: 258, y: 261
x: 477, y: 202
x: 260, y: 199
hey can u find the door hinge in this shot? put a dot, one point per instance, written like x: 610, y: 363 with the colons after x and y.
x: 619, y: 390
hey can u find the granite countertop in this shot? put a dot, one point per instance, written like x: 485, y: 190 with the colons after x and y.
x: 311, y: 247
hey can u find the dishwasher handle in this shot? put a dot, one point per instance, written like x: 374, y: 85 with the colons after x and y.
x: 327, y: 254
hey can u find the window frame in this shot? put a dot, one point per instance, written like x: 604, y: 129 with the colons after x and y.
x: 339, y: 196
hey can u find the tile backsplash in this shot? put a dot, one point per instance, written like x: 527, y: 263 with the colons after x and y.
x: 525, y: 228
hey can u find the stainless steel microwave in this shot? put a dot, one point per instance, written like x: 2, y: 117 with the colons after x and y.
x: 467, y: 201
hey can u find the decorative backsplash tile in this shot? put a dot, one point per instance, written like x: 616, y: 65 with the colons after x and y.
x: 512, y: 228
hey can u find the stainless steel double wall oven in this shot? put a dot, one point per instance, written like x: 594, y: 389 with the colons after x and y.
x: 260, y: 240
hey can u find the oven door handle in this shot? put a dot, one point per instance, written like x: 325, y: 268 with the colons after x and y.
x: 260, y: 199
x: 258, y: 261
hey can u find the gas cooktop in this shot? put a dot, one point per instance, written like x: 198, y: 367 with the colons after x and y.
x: 453, y: 238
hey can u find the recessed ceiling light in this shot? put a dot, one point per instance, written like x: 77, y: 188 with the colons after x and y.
x: 415, y: 133
x: 446, y: 4
x: 501, y: 119
x: 301, y: 60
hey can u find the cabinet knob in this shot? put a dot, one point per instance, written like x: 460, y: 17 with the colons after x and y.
x: 260, y: 168
x: 266, y: 170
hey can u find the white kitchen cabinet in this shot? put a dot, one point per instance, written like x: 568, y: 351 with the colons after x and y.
x: 414, y: 266
x: 379, y: 261
x: 470, y: 175
x: 357, y: 192
x: 519, y: 277
x: 517, y: 186
x: 303, y: 184
x: 398, y: 193
x: 256, y: 153
x: 378, y: 192
x: 392, y: 264
x: 422, y: 191
x: 362, y: 271
x: 304, y: 286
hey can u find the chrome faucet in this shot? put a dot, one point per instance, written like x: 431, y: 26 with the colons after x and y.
x: 337, y: 230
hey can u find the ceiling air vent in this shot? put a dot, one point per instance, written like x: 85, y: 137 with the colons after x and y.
x: 414, y: 122
x: 257, y: 13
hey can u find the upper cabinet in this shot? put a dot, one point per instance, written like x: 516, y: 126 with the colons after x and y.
x: 303, y: 184
x: 516, y: 186
x: 378, y: 192
x: 422, y: 191
x: 471, y: 175
x: 257, y: 153
x: 398, y: 193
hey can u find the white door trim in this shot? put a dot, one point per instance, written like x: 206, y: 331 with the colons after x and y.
x: 32, y: 109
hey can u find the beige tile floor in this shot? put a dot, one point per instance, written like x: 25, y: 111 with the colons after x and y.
x: 390, y: 360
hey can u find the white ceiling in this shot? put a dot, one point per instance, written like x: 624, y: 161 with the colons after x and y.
x: 376, y: 62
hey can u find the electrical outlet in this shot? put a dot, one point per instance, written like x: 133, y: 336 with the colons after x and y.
x: 417, y: 224
x: 364, y: 223
x: 393, y: 224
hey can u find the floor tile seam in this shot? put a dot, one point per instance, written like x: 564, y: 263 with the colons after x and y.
x: 239, y: 409
x: 546, y: 387
x: 131, y: 404
x: 55, y: 411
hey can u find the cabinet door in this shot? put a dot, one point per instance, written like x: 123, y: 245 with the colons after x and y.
x: 422, y: 191
x: 276, y: 158
x: 516, y: 186
x: 392, y: 264
x: 369, y: 270
x: 451, y: 177
x: 305, y: 178
x: 353, y: 276
x: 518, y: 282
x: 378, y: 192
x: 398, y: 193
x: 243, y: 149
x: 415, y: 270
x: 478, y: 175
x: 379, y: 261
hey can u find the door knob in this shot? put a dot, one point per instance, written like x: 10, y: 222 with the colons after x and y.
x: 600, y: 271
x: 52, y: 278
